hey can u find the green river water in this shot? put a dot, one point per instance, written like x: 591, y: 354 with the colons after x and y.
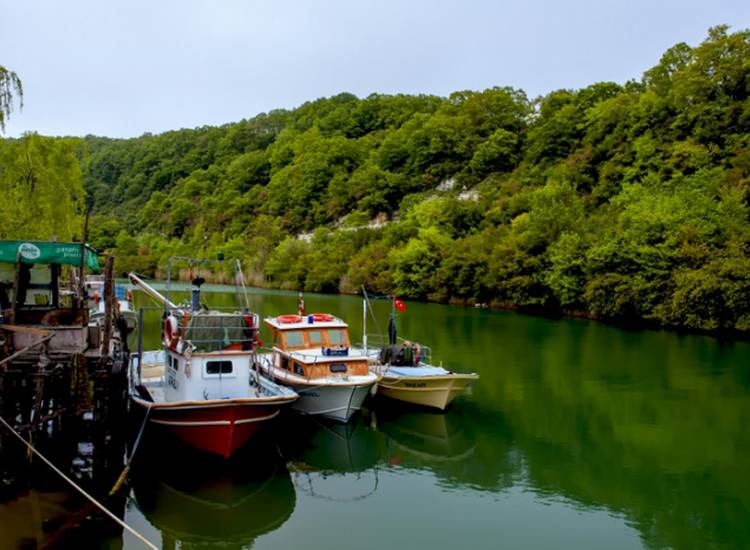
x: 577, y: 436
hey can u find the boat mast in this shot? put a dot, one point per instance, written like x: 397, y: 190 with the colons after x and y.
x: 364, y: 320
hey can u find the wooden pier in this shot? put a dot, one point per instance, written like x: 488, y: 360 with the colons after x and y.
x: 63, y: 380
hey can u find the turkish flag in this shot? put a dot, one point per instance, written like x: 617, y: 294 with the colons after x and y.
x: 401, y: 306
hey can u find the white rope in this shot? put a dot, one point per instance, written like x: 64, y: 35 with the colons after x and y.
x: 117, y: 520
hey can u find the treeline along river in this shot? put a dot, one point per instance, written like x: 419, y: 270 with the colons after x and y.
x: 578, y: 435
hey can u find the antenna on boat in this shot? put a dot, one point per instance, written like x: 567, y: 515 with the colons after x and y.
x: 368, y: 306
x: 392, y: 329
x: 241, y: 276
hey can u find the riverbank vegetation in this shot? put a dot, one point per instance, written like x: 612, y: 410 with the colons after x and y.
x: 621, y: 201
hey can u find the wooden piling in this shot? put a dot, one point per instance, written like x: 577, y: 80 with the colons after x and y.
x: 109, y: 304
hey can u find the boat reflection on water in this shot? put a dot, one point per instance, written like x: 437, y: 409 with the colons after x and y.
x: 422, y: 437
x: 333, y: 461
x: 465, y: 448
x: 199, y: 501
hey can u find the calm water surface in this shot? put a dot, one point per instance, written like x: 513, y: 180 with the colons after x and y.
x: 578, y: 436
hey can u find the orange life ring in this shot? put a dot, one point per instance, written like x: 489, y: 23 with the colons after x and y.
x: 322, y: 317
x: 171, y: 335
x: 289, y: 319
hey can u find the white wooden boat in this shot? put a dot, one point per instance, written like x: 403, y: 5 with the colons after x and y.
x: 313, y: 356
x: 423, y: 386
x: 408, y: 375
x: 203, y: 387
x: 123, y: 301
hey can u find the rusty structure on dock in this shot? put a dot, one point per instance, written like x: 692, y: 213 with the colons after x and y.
x: 63, y: 380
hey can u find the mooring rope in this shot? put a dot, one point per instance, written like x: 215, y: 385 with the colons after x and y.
x: 91, y: 499
x: 123, y: 476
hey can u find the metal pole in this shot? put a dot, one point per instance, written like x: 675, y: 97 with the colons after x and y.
x: 169, y: 280
x: 242, y: 281
x: 140, y: 342
x: 364, y: 320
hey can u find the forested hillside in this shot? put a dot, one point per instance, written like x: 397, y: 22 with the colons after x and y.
x: 622, y: 201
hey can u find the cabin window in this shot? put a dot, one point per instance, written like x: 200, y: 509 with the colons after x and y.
x: 298, y: 369
x: 336, y: 337
x: 218, y: 367
x: 294, y: 339
x: 285, y: 363
x: 315, y: 337
x: 175, y: 363
x: 276, y: 338
x: 337, y: 367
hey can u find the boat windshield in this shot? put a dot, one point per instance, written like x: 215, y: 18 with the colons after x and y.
x: 294, y: 339
x: 336, y: 337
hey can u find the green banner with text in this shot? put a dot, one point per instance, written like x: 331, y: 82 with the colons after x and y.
x: 36, y: 252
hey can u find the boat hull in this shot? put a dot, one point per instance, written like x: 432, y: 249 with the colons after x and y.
x: 336, y: 401
x: 428, y: 391
x: 215, y: 428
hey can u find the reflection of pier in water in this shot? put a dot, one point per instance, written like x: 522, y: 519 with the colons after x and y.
x: 199, y: 501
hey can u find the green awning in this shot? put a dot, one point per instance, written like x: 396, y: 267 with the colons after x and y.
x: 41, y: 252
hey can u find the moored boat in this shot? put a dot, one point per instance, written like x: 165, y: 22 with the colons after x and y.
x: 202, y: 387
x: 313, y: 356
x: 94, y: 285
x: 408, y: 374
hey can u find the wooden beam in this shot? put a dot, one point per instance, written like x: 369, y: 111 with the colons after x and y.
x: 24, y: 350
x: 81, y: 276
x: 27, y: 330
x: 109, y: 304
x: 16, y: 285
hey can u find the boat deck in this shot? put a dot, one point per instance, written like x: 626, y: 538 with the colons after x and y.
x: 421, y: 370
x: 316, y: 355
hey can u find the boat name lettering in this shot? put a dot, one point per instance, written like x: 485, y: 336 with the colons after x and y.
x: 415, y: 384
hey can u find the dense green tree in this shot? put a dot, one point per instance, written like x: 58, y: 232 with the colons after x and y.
x: 40, y: 182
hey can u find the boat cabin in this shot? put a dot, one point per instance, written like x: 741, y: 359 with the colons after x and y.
x: 202, y: 377
x: 31, y: 293
x: 314, y: 346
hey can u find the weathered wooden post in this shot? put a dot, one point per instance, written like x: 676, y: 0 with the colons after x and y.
x: 16, y: 287
x: 81, y: 280
x: 109, y: 303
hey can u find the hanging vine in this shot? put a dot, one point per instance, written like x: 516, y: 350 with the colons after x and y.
x: 10, y: 87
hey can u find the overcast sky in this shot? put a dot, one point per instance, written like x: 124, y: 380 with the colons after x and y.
x: 129, y: 67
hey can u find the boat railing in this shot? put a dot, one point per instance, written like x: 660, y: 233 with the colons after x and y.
x: 267, y: 354
x: 217, y: 329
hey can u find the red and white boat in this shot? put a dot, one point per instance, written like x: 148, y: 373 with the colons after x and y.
x: 203, y: 386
